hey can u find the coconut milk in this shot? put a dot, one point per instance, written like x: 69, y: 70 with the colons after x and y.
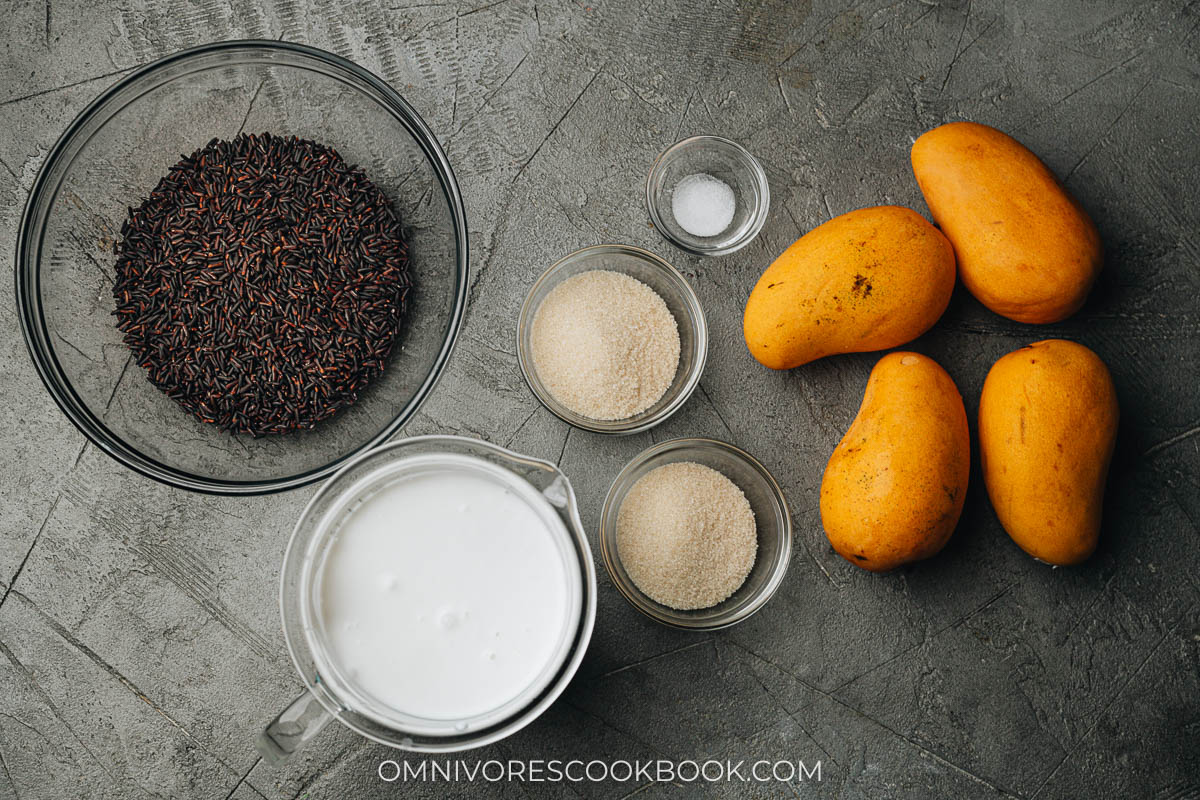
x: 447, y: 594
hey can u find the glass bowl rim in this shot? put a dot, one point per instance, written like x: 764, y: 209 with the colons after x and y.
x: 634, y: 596
x: 762, y: 207
x: 28, y: 274
x: 619, y: 427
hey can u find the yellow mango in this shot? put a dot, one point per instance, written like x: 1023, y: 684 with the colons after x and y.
x: 867, y: 280
x: 894, y: 487
x: 1025, y: 248
x: 1047, y: 426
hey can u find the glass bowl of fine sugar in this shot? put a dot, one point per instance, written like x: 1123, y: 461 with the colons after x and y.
x: 707, y: 195
x: 612, y: 339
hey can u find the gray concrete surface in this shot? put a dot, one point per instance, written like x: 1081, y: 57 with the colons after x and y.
x: 140, y: 649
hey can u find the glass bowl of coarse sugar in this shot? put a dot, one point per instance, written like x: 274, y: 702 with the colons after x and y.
x: 696, y: 534
x: 612, y: 339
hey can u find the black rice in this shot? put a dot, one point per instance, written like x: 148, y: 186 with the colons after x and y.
x: 262, y: 283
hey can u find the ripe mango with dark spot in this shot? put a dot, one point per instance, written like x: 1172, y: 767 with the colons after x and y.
x: 1047, y: 427
x: 867, y: 280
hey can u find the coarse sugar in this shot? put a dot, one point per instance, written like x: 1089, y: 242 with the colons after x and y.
x: 686, y: 535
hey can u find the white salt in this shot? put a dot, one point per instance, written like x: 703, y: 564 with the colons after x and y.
x: 703, y: 205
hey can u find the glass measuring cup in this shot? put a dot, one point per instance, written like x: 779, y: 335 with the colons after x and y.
x: 327, y: 695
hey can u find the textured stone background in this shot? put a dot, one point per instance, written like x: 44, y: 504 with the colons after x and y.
x: 140, y: 650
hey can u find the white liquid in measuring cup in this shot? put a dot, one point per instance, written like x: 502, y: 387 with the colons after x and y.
x: 448, y: 592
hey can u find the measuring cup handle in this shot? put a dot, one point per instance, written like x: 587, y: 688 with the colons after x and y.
x: 294, y: 726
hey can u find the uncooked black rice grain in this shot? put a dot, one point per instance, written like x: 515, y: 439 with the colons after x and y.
x: 262, y: 283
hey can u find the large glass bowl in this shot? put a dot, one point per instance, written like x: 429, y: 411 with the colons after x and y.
x: 113, y: 155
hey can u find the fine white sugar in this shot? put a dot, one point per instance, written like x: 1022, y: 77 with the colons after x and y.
x: 686, y: 535
x: 703, y: 205
x: 605, y: 345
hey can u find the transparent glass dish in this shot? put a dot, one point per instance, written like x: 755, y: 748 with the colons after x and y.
x: 675, y: 291
x: 113, y: 155
x: 326, y: 697
x: 771, y: 517
x: 730, y: 163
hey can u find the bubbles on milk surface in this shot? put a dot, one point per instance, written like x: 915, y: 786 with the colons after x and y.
x: 448, y: 619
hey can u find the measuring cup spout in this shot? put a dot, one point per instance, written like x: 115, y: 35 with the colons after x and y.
x: 294, y: 726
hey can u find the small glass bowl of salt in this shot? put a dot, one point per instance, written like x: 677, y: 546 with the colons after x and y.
x: 707, y: 195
